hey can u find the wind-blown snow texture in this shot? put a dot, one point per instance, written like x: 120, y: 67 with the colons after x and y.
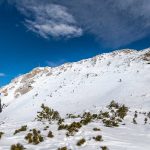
x: 89, y: 84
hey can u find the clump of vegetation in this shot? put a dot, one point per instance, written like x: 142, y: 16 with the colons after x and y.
x: 96, y: 129
x: 1, y: 134
x: 110, y: 123
x: 23, y: 128
x: 122, y: 111
x: 48, y: 114
x: 104, y: 148
x: 98, y: 138
x: 145, y: 120
x: 72, y: 128
x: 17, y: 147
x: 113, y: 104
x: 118, y: 109
x: 115, y: 116
x: 62, y: 127
x: 86, y: 118
x: 72, y: 116
x: 81, y: 142
x: 110, y: 118
x: 105, y: 114
x: 35, y: 137
x: 62, y: 148
x: 50, y: 134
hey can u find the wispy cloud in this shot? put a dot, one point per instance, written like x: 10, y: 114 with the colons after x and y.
x: 115, y: 22
x: 2, y: 74
x: 48, y: 19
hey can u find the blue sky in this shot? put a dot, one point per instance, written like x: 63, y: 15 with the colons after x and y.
x: 50, y: 33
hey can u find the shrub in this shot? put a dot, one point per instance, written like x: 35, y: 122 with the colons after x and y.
x: 113, y: 104
x: 115, y: 116
x: 96, y: 129
x: 47, y: 114
x: 145, y: 120
x: 23, y: 128
x: 35, y: 137
x: 81, y: 142
x: 62, y: 148
x: 98, y: 138
x: 86, y: 118
x: 50, y: 134
x: 104, y: 148
x: 62, y: 127
x: 72, y: 128
x: 105, y: 114
x: 72, y: 116
x: 95, y: 116
x: 110, y: 123
x: 1, y: 134
x: 17, y: 147
x: 29, y: 137
x: 122, y: 111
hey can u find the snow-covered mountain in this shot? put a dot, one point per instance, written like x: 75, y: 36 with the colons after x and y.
x: 123, y: 76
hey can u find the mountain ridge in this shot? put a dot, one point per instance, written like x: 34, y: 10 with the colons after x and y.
x: 125, y: 51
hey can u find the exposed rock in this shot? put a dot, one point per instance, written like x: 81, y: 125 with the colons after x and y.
x: 5, y: 92
x: 146, y: 56
x: 23, y: 90
x: 30, y: 75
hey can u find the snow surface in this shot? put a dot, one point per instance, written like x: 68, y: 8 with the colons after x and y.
x: 89, y: 84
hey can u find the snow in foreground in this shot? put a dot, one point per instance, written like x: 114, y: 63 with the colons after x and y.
x: 129, y: 135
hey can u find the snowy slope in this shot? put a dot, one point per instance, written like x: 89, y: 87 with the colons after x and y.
x: 122, y: 75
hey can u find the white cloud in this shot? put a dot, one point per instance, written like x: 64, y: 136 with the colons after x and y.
x: 54, y: 29
x: 49, y: 19
x: 2, y: 75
